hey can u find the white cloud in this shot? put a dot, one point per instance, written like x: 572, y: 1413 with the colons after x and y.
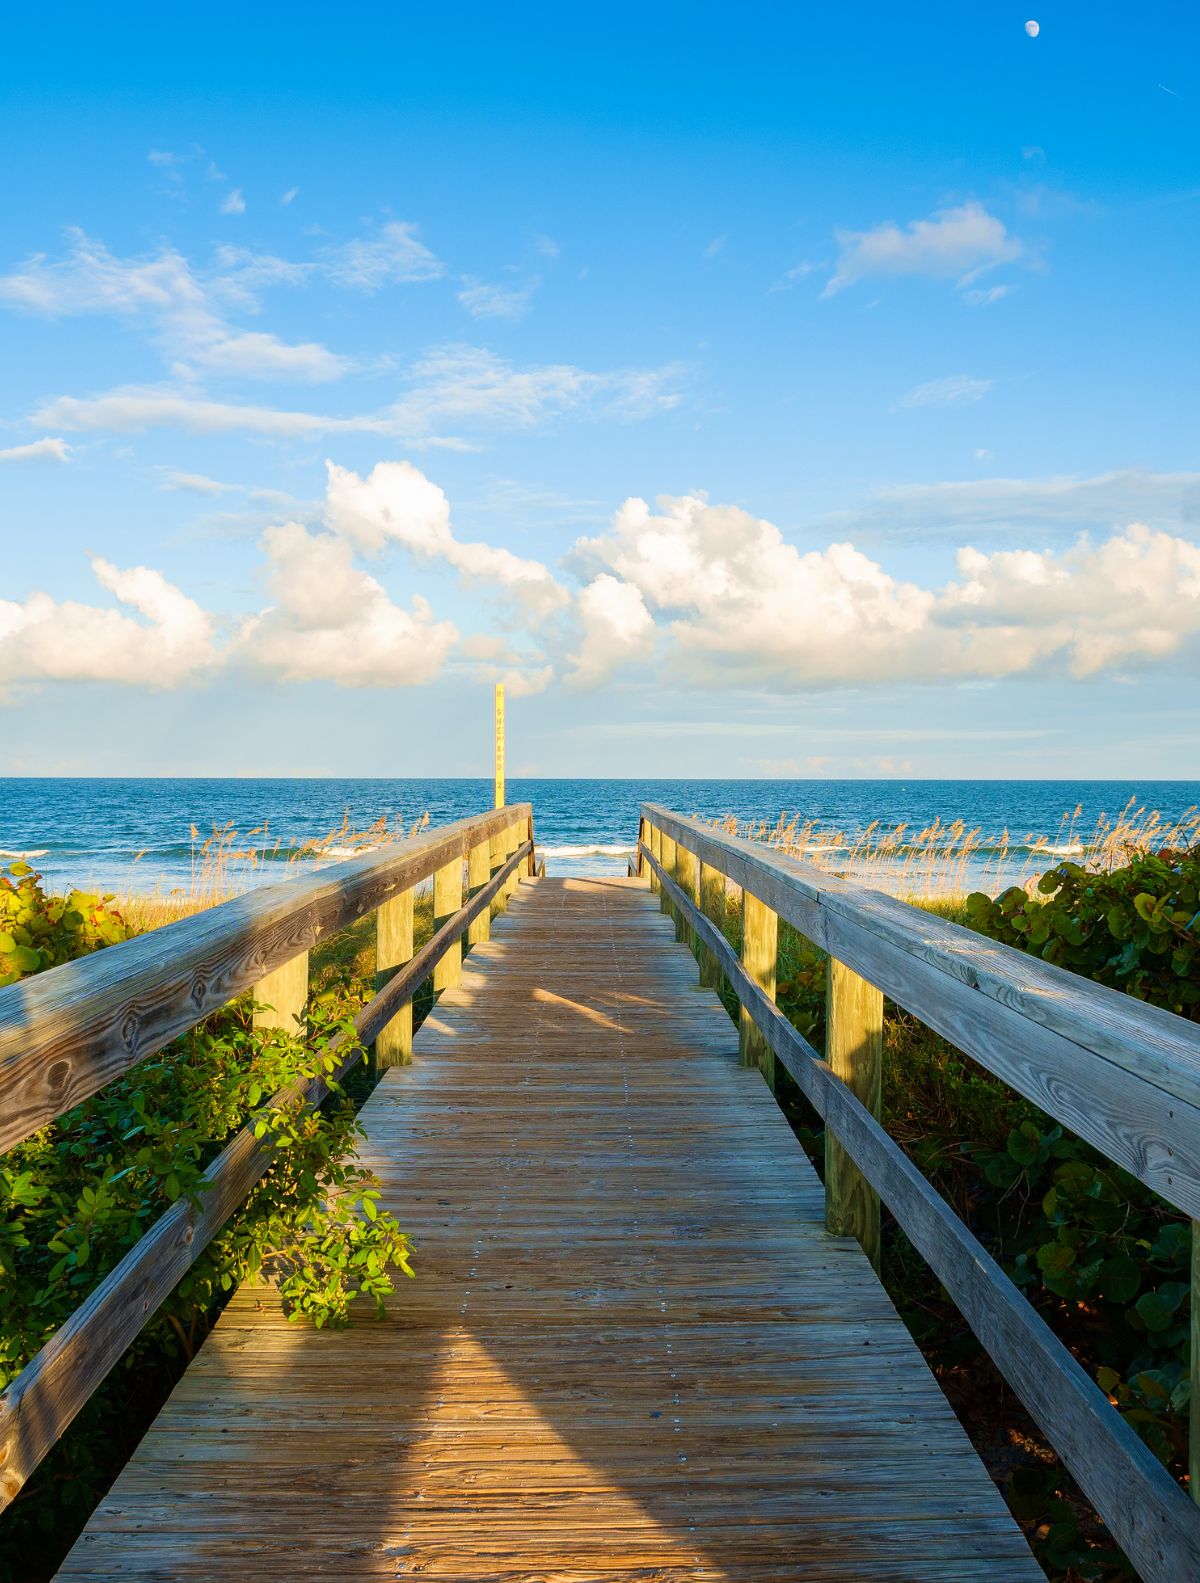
x: 791, y: 277
x: 546, y: 246
x: 195, y: 483
x: 392, y: 256
x: 717, y: 245
x: 42, y: 639
x: 955, y: 390
x: 183, y: 311
x: 485, y: 301
x: 397, y: 504
x: 985, y: 296
x: 48, y: 449
x: 289, y: 196
x: 616, y: 629
x: 450, y: 387
x: 332, y: 621
x: 954, y: 509
x: 233, y: 202
x: 956, y: 244
x: 741, y: 606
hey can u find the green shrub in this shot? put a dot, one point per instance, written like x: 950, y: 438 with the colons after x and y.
x: 76, y: 1196
x: 1135, y: 929
x: 39, y: 931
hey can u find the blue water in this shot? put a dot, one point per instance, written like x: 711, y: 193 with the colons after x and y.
x: 91, y: 832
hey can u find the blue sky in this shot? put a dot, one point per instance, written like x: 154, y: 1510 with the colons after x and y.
x: 779, y: 391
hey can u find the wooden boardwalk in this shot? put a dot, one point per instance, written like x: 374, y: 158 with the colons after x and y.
x: 631, y: 1353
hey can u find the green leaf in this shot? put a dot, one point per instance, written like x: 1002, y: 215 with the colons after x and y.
x: 1119, y: 1278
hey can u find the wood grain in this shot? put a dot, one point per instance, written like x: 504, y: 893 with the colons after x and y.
x: 760, y: 955
x: 1149, y: 1514
x: 854, y: 1051
x: 631, y: 1355
x: 478, y: 874
x: 393, y: 948
x: 66, y: 1032
x: 447, y: 899
x: 283, y: 995
x: 1123, y: 1075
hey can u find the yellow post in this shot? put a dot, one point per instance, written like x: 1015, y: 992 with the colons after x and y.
x: 499, y: 745
x: 854, y: 1049
x: 394, y: 947
x: 654, y: 842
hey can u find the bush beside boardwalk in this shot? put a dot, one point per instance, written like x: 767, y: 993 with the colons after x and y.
x: 1105, y: 1261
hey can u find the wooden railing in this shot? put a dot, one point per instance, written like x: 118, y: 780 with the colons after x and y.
x: 67, y: 1032
x: 1123, y: 1075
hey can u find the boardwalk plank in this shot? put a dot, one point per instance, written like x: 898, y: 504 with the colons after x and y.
x: 632, y: 1352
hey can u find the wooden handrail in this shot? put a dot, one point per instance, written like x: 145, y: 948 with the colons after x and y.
x: 1120, y: 1073
x: 67, y: 1032
x: 1150, y: 1515
x: 39, y: 1404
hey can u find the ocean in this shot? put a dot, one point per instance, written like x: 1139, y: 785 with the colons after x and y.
x: 136, y: 835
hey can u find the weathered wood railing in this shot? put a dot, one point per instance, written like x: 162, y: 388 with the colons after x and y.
x: 1121, y: 1074
x: 67, y: 1032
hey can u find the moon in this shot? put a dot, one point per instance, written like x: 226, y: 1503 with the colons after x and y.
x: 1033, y: 28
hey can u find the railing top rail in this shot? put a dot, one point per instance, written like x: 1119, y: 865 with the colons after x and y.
x: 1123, y: 1074
x: 66, y: 1032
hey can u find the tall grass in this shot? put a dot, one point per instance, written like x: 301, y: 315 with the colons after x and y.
x: 949, y: 858
x: 226, y: 864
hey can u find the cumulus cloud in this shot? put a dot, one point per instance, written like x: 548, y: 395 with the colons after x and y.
x: 42, y: 639
x: 48, y: 449
x: 955, y: 390
x: 616, y: 629
x: 332, y: 621
x: 233, y: 202
x: 957, y: 244
x: 741, y: 606
x: 397, y: 504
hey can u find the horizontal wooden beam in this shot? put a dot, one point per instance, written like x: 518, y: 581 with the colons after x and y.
x: 1123, y: 1075
x: 1149, y: 1514
x: 40, y: 1403
x: 67, y: 1032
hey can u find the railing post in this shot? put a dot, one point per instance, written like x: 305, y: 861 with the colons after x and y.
x: 447, y: 899
x: 760, y: 954
x: 854, y: 1049
x: 394, y: 947
x: 712, y: 905
x: 654, y: 842
x: 687, y: 877
x: 497, y: 857
x: 283, y: 994
x: 667, y: 859
x: 1194, y: 1408
x: 531, y: 860
x: 512, y: 840
x: 478, y: 874
x: 639, y: 860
